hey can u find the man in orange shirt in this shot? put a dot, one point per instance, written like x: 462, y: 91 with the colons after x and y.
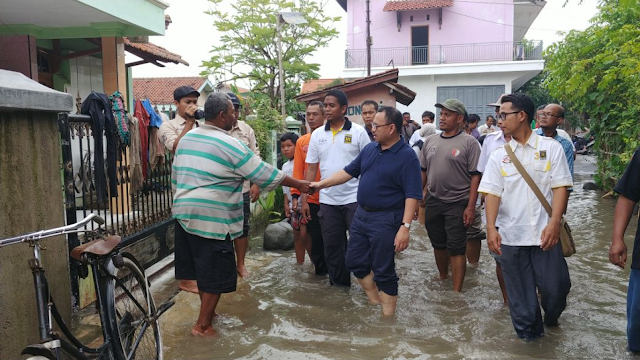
x: 310, y: 204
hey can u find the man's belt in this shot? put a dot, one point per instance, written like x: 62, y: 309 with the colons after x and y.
x: 370, y: 209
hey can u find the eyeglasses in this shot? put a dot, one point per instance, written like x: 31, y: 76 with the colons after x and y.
x: 375, y: 126
x: 546, y: 115
x: 503, y: 115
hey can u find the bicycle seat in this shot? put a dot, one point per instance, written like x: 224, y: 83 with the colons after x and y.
x: 96, y: 247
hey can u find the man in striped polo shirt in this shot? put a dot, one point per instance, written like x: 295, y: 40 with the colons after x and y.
x: 208, y: 173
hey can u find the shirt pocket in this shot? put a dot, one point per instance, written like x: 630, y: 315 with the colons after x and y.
x: 509, y: 174
x: 542, y: 172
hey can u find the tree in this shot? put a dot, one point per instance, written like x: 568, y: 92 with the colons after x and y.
x: 248, y: 46
x: 598, y: 71
x: 536, y: 88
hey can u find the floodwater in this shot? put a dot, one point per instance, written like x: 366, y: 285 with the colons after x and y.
x: 284, y: 311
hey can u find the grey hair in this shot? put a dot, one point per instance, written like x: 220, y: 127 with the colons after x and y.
x: 427, y: 129
x: 216, y: 102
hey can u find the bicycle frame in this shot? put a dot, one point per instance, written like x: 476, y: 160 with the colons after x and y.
x: 50, y: 341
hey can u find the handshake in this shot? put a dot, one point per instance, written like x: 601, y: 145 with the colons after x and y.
x: 307, y: 187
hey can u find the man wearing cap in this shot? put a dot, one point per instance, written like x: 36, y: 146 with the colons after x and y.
x: 489, y: 127
x: 170, y: 133
x: 450, y: 180
x: 243, y: 132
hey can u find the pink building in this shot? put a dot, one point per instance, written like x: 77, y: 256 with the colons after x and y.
x: 472, y: 50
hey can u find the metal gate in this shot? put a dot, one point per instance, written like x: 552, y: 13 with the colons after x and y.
x: 475, y: 98
x: 142, y: 217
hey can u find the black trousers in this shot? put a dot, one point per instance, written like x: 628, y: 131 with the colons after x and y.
x: 526, y: 268
x: 317, y: 244
x: 335, y: 220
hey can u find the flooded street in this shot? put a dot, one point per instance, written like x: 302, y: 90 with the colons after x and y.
x: 284, y: 311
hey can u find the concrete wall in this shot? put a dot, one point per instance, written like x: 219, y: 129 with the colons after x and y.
x: 31, y: 199
x: 18, y: 53
x: 378, y: 93
x: 31, y: 193
x: 468, y: 22
x: 426, y: 88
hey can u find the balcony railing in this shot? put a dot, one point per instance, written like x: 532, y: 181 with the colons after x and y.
x: 446, y: 54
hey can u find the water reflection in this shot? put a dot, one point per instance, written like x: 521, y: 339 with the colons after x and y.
x: 283, y: 311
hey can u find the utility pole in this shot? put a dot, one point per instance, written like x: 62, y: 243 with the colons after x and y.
x: 291, y: 18
x: 280, y: 70
x: 368, y: 40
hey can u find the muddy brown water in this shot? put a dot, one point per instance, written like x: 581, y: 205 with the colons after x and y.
x: 283, y: 311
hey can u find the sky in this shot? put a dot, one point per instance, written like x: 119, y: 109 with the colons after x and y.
x: 192, y: 35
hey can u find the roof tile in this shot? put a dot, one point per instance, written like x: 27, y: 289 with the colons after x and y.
x: 160, y: 90
x: 405, y: 5
x: 315, y: 84
x: 157, y: 51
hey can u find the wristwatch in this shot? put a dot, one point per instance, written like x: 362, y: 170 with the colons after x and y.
x: 407, y: 225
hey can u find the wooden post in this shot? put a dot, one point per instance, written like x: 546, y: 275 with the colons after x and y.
x: 114, y: 78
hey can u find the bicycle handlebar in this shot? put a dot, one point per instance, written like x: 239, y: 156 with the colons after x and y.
x: 53, y: 232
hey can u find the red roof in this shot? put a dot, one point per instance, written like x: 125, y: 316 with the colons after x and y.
x: 387, y: 78
x: 162, y: 54
x: 160, y: 90
x: 405, y: 5
x: 315, y: 84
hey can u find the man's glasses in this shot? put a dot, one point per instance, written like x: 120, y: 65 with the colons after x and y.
x: 375, y: 126
x: 504, y: 115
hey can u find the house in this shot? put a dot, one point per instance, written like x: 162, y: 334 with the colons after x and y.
x: 227, y: 88
x: 78, y: 46
x: 382, y: 88
x: 473, y: 50
x: 160, y: 90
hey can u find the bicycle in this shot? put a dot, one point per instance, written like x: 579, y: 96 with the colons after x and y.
x: 127, y: 312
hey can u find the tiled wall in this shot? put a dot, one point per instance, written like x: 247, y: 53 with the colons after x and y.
x: 86, y: 76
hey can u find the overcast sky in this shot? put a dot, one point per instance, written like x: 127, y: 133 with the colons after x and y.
x: 192, y: 35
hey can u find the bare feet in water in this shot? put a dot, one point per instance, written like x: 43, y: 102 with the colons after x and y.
x: 206, y: 331
x: 189, y: 286
x: 242, y: 271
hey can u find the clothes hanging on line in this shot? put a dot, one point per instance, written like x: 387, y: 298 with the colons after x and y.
x: 120, y: 116
x: 135, y: 168
x: 97, y: 106
x: 143, y: 125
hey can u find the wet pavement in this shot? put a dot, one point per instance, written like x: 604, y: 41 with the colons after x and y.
x: 283, y: 311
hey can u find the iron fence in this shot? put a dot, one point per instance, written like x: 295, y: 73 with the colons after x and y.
x: 140, y: 214
x: 445, y: 54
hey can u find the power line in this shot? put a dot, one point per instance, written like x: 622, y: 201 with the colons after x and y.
x: 502, y: 24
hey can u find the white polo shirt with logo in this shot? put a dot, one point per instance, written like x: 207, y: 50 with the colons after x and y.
x: 332, y: 151
x: 521, y: 217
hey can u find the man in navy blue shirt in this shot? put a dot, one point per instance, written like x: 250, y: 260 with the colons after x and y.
x: 629, y: 189
x: 388, y: 194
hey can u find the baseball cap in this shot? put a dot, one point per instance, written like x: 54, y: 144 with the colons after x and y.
x: 453, y: 105
x: 183, y: 91
x: 234, y: 99
x: 497, y: 103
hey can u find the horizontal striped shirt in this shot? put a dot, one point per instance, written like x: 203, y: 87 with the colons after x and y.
x: 207, y: 174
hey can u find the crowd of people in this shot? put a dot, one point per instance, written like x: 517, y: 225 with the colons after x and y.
x: 353, y: 191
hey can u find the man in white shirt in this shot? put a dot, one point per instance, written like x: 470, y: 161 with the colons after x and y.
x: 250, y: 192
x: 487, y: 127
x: 491, y: 142
x: 170, y: 133
x: 331, y: 148
x: 518, y: 227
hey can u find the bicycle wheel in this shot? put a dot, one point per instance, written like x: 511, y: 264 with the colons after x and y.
x: 134, y: 328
